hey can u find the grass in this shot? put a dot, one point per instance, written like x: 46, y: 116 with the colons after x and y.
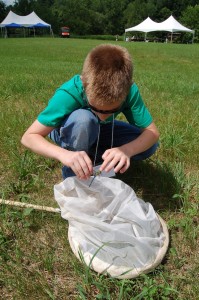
x: 36, y: 261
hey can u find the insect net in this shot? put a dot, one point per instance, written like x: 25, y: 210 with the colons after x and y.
x: 113, y: 230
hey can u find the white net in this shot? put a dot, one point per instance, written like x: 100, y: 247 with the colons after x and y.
x: 115, y: 231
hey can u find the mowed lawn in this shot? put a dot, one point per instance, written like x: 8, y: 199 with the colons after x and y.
x: 36, y: 261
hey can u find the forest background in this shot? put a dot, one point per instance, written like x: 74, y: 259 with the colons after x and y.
x: 106, y: 17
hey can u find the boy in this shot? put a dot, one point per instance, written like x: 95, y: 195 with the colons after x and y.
x: 80, y: 118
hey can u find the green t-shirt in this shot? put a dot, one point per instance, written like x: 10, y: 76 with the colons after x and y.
x: 71, y: 96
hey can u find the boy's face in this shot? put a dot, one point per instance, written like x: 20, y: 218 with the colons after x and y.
x: 105, y: 111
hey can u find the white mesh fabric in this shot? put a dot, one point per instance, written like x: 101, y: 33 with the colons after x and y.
x: 108, y: 221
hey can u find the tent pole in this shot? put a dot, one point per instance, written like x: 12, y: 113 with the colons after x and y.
x: 51, y: 31
x: 193, y: 36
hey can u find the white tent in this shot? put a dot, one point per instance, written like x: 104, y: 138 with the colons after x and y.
x: 30, y: 21
x: 172, y: 25
x: 147, y: 25
x: 169, y: 24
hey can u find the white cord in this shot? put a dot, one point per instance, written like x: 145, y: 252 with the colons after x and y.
x: 96, y: 149
x: 112, y: 132
x: 98, y: 137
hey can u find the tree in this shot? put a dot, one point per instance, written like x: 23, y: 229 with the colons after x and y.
x: 190, y: 18
x: 113, y: 12
x: 137, y: 11
x: 23, y: 7
x: 105, y: 16
x: 3, y: 12
x: 164, y: 14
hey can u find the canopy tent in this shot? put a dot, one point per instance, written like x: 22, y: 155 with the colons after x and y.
x: 170, y: 25
x: 147, y: 25
x: 30, y: 21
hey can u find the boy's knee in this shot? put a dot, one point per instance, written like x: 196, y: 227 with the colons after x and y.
x: 146, y: 154
x: 79, y: 131
x: 80, y: 117
x: 153, y: 149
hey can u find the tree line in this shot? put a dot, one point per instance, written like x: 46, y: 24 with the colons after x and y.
x: 102, y: 17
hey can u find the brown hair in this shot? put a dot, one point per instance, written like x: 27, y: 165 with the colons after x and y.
x: 107, y: 74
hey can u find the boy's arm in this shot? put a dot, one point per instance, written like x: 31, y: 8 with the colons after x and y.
x: 147, y: 139
x: 119, y: 158
x: 78, y: 161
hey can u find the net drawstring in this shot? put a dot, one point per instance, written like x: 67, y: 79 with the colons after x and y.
x: 96, y: 149
x: 113, y: 124
x: 98, y: 138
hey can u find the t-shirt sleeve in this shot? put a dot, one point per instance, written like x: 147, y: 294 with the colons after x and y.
x: 59, y: 106
x: 135, y: 110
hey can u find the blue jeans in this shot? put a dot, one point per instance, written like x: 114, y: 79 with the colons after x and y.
x: 79, y: 132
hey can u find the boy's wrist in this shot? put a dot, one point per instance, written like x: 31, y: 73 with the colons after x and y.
x: 128, y: 150
x: 61, y: 154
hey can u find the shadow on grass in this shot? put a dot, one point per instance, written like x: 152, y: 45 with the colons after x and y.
x: 153, y: 182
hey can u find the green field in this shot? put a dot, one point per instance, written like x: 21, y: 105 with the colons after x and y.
x: 36, y: 261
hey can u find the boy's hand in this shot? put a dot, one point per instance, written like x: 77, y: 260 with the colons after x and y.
x: 115, y: 158
x: 79, y: 162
